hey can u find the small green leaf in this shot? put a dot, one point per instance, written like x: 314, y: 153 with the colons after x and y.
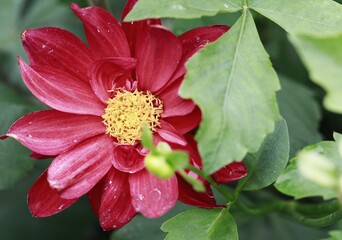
x: 201, y: 224
x: 314, y: 17
x: 323, y: 59
x: 180, y: 8
x: 301, y: 111
x: 234, y: 84
x: 334, y: 235
x: 293, y: 183
x: 267, y: 164
x: 177, y: 159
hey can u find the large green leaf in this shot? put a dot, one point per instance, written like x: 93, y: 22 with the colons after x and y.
x: 234, y: 84
x: 316, y: 17
x: 301, y: 112
x: 267, y: 164
x: 180, y: 8
x: 323, y: 58
x: 201, y: 224
x: 293, y: 183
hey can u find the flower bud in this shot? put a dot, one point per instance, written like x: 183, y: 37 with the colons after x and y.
x: 158, y: 166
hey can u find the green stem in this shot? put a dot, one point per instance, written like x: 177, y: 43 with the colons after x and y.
x: 219, y: 188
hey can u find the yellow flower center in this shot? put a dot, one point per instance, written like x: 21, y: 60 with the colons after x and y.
x: 127, y: 113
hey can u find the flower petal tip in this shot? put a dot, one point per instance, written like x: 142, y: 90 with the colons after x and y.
x: 3, y: 137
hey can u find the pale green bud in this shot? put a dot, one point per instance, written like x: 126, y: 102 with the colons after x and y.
x: 158, y: 166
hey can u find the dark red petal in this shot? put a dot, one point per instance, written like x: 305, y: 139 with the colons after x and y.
x: 95, y: 196
x: 189, y: 196
x: 230, y: 173
x: 60, y: 90
x: 186, y: 123
x: 57, y: 48
x: 170, y: 134
x: 195, y: 39
x: 134, y: 30
x: 116, y: 207
x: 104, y: 34
x: 158, y: 53
x: 39, y: 156
x: 105, y: 73
x: 77, y: 171
x: 151, y: 196
x: 127, y: 159
x: 43, y: 201
x: 52, y: 132
x: 173, y: 104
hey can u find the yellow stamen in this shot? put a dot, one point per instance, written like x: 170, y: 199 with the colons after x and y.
x: 127, y: 113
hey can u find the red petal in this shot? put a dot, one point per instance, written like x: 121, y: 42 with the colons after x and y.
x: 158, y: 53
x: 230, y: 173
x: 195, y: 39
x: 76, y: 171
x: 57, y: 48
x: 116, y: 208
x: 43, y: 201
x: 52, y: 132
x: 188, y: 195
x: 170, y: 134
x: 104, y: 34
x: 127, y: 159
x: 104, y: 75
x: 95, y: 196
x: 134, y: 30
x: 152, y: 196
x: 39, y: 156
x: 184, y: 124
x: 174, y: 105
x: 60, y: 90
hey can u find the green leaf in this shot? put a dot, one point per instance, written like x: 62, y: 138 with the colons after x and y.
x: 323, y: 58
x: 234, y: 84
x: 301, y: 111
x: 215, y: 224
x: 314, y: 17
x: 267, y: 164
x: 146, y: 229
x: 293, y: 183
x: 180, y: 8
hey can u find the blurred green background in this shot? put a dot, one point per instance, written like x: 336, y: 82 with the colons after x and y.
x: 18, y: 171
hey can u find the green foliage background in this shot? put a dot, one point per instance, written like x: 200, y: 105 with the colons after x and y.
x: 300, y: 103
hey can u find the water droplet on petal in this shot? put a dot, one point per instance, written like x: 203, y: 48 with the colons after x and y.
x: 155, y: 194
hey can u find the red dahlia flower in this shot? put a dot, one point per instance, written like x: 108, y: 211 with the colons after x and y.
x: 101, y: 95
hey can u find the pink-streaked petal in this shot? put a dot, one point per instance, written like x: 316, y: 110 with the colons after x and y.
x: 195, y: 39
x: 104, y: 34
x: 43, y: 201
x: 60, y: 90
x: 51, y: 132
x: 151, y: 196
x: 116, y: 207
x: 190, y: 196
x: 59, y: 49
x: 173, y: 104
x: 105, y: 75
x: 184, y: 124
x: 158, y: 53
x: 170, y: 134
x: 231, y: 172
x: 134, y: 30
x: 127, y: 159
x: 77, y: 171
